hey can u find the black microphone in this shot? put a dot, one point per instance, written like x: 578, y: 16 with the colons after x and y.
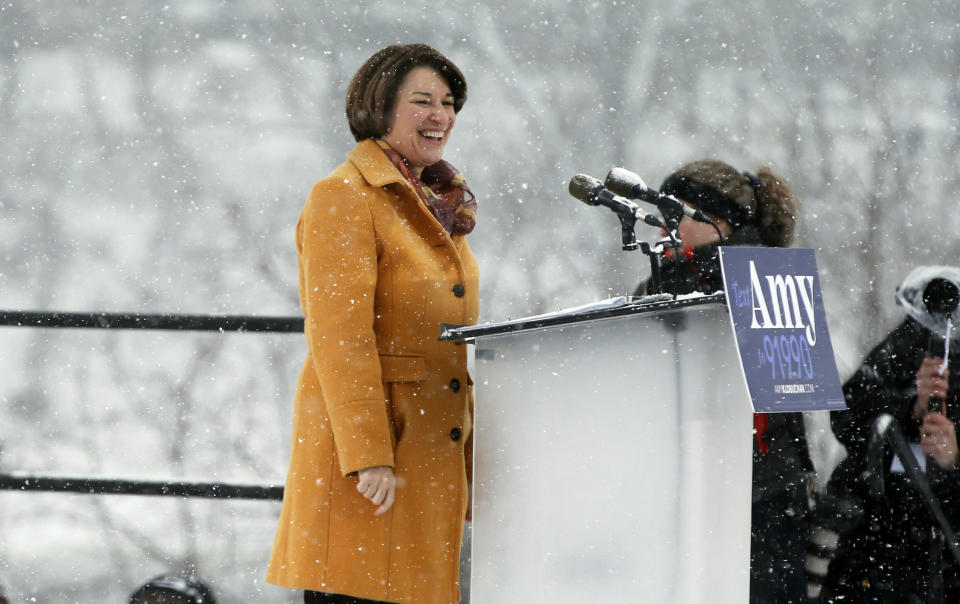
x: 590, y: 191
x: 626, y: 183
x: 941, y: 297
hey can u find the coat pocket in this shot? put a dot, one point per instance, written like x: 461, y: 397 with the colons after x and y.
x: 399, y: 374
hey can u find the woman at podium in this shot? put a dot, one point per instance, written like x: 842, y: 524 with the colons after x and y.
x: 753, y: 210
x: 377, y: 489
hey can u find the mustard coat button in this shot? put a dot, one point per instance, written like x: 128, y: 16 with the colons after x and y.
x: 458, y: 290
x: 455, y: 385
x: 455, y: 434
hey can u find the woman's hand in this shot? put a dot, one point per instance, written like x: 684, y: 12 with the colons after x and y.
x: 938, y: 438
x: 378, y: 484
x: 929, y: 384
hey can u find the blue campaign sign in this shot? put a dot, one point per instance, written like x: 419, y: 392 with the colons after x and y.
x: 781, y: 329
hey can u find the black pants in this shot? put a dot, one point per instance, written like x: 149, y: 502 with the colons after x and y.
x: 778, y: 553
x: 315, y: 597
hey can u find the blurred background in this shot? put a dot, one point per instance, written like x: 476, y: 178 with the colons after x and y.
x: 154, y: 157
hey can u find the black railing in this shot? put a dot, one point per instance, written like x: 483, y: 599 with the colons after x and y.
x: 105, y: 320
x: 112, y: 486
x: 117, y: 486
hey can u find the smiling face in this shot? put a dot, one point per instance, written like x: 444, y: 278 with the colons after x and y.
x: 421, y: 119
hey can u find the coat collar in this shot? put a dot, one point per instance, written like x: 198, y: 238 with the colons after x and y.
x: 377, y: 169
x: 373, y: 164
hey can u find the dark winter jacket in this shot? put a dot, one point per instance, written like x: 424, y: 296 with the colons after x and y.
x: 886, y: 558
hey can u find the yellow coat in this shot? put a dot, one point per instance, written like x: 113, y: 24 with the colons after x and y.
x: 378, y: 274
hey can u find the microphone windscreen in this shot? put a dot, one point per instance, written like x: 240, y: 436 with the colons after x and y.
x: 585, y: 188
x: 624, y: 182
x: 941, y: 296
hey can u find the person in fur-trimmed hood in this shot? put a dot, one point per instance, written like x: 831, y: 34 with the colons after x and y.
x: 892, y: 554
x: 752, y: 210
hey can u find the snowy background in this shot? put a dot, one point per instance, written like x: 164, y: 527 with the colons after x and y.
x: 154, y: 158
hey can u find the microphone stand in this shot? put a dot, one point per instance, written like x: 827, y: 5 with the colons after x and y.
x: 671, y: 241
x: 656, y: 283
x: 628, y: 224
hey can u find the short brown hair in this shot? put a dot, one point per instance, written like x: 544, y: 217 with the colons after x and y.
x: 373, y: 89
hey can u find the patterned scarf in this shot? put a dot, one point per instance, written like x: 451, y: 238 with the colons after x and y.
x: 446, y: 193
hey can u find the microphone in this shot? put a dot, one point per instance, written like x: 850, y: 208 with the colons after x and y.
x: 941, y: 297
x: 626, y: 183
x: 590, y: 191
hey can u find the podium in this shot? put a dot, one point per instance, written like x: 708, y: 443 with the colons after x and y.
x: 612, y: 456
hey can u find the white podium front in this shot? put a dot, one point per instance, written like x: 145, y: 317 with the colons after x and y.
x: 612, y: 458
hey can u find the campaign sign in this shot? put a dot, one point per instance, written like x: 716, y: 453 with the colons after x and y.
x: 781, y: 329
